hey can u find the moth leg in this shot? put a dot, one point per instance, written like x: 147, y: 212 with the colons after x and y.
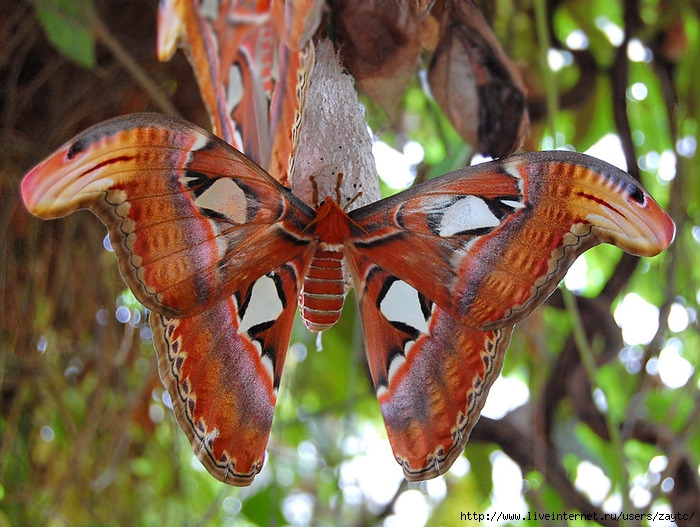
x: 338, y: 184
x: 314, y: 192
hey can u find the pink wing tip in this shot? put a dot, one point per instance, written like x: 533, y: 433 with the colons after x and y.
x: 29, y: 188
x: 667, y: 232
x: 41, y: 187
x: 660, y: 224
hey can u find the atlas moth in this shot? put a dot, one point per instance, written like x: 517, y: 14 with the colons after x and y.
x: 252, y: 61
x: 220, y: 252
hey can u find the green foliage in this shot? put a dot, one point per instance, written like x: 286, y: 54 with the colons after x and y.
x: 68, y: 29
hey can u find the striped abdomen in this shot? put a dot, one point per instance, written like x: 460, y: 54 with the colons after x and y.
x: 321, y: 299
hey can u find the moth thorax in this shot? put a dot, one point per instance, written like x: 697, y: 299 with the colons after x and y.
x: 323, y: 294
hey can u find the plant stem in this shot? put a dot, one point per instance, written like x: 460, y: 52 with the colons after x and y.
x: 588, y: 359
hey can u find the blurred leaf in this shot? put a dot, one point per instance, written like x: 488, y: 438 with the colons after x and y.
x: 263, y: 508
x: 479, y: 456
x: 589, y: 131
x: 599, y: 452
x: 67, y: 27
x: 639, y: 455
x: 617, y: 386
x: 461, y: 498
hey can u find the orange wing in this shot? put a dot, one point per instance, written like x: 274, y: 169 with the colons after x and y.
x: 215, y: 247
x: 444, y: 270
x: 490, y: 242
x: 191, y: 219
x: 430, y: 372
x: 222, y: 369
x: 252, y: 61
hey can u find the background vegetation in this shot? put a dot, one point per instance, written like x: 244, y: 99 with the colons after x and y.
x: 85, y: 438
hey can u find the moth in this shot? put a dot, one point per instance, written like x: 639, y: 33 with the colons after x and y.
x: 251, y: 61
x: 222, y: 254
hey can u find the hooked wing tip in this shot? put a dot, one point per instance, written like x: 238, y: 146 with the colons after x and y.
x: 27, y: 187
x: 48, y: 191
x: 657, y: 231
x: 33, y: 188
x: 667, y: 233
